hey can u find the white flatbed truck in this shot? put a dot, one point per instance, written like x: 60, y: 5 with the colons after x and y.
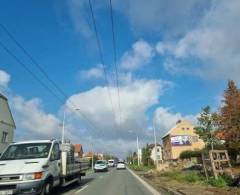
x: 35, y: 167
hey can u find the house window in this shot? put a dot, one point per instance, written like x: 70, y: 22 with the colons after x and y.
x: 4, y: 137
x: 157, y: 149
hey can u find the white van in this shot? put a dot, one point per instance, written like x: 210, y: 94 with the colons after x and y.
x: 111, y: 163
x: 35, y: 167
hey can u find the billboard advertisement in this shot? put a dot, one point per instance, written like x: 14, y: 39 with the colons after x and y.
x: 181, y: 140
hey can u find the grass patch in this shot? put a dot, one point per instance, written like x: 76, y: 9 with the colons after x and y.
x: 188, y: 176
x: 194, y: 177
x: 220, y: 182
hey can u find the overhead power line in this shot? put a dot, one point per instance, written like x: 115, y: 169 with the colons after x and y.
x: 33, y: 60
x: 101, y: 54
x: 82, y: 115
x: 115, y: 56
x: 30, y: 72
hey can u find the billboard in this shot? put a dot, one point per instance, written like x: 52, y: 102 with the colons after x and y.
x: 181, y: 140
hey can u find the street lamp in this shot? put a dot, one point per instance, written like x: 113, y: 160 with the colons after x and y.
x: 138, y: 155
x: 78, y: 109
x: 63, y: 124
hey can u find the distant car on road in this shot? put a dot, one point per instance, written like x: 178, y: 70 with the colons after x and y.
x: 111, y: 163
x: 101, y: 165
x: 121, y: 165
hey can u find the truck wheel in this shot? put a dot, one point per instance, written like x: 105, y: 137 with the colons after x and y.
x: 47, y: 188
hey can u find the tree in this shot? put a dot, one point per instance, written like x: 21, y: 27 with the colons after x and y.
x: 229, y: 117
x: 206, y: 126
x: 108, y: 156
x: 146, y: 156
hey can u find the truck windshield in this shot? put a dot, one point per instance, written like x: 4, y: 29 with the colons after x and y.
x: 26, y: 151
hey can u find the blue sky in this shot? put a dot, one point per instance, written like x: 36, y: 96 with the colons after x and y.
x: 173, y: 59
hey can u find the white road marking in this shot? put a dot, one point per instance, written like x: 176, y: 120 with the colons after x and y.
x: 81, y: 189
x: 149, y: 187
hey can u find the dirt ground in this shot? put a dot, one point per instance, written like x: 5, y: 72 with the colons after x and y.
x: 236, y: 170
x: 160, y: 182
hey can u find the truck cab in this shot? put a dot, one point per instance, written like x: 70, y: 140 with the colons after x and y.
x: 35, y: 167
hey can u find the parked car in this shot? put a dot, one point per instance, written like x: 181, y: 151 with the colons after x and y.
x: 101, y: 165
x: 35, y: 167
x: 111, y: 163
x: 121, y: 165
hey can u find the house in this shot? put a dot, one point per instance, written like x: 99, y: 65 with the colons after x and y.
x: 78, y: 150
x: 180, y: 138
x: 156, y: 153
x: 89, y: 155
x: 7, y: 124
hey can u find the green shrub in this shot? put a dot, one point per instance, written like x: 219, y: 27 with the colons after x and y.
x: 189, y: 154
x: 220, y: 182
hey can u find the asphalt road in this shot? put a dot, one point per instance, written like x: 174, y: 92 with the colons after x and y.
x: 113, y: 182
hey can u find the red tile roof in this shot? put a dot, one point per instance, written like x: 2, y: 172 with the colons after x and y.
x: 77, y: 148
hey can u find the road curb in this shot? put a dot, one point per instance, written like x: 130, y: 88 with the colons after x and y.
x: 162, y: 188
x: 148, y: 186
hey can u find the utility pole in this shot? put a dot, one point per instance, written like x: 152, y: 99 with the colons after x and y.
x: 92, y: 159
x: 63, y: 127
x: 138, y: 152
x: 155, y: 144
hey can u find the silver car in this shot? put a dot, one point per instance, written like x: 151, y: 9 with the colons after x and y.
x: 101, y: 165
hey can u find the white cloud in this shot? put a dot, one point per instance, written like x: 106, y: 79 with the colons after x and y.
x: 92, y: 73
x: 80, y: 18
x: 112, y: 132
x: 214, y: 42
x: 140, y: 55
x: 32, y: 120
x: 135, y: 98
x: 4, y: 79
x: 168, y: 18
x: 165, y: 119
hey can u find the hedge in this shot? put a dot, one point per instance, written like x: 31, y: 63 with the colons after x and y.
x: 189, y: 154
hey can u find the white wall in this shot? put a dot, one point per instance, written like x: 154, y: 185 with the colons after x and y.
x: 10, y: 131
x: 158, y: 154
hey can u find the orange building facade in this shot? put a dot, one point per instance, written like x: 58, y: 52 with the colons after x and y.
x: 180, y: 138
